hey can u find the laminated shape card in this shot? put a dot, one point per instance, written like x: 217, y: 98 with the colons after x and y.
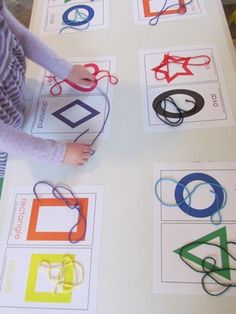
x: 50, y: 250
x: 183, y: 88
x: 62, y: 110
x: 31, y: 221
x: 61, y: 16
x: 157, y: 11
x: 194, y: 228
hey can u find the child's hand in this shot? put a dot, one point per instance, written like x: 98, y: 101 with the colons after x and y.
x: 80, y: 75
x: 77, y: 154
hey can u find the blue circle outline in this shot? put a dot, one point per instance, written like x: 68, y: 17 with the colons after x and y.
x: 209, y: 211
x: 67, y: 21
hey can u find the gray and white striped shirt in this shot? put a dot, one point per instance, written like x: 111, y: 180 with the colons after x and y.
x: 16, y: 42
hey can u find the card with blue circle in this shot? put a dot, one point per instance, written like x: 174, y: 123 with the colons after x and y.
x: 194, y: 225
x: 61, y: 17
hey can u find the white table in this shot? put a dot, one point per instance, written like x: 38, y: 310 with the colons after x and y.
x: 124, y: 163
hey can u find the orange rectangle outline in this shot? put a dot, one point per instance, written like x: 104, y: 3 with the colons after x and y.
x: 56, y: 236
x: 147, y: 12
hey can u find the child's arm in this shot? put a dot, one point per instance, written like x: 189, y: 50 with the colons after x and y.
x: 24, y: 145
x: 27, y: 146
x: 38, y: 52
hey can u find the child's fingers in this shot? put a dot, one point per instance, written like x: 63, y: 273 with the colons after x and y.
x: 86, y: 156
x: 90, y: 77
x: 81, y: 75
x: 87, y: 82
x: 87, y: 149
x: 77, y: 154
x: 84, y: 159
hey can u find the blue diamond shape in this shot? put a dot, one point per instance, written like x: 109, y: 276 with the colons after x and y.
x: 92, y: 111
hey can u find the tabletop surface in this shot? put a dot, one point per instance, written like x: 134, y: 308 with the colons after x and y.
x: 124, y: 161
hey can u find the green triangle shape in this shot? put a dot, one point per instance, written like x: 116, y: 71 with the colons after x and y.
x: 221, y: 234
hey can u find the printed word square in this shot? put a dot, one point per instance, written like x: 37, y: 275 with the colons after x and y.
x: 55, y: 279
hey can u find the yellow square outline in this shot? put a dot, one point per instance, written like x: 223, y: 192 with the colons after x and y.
x: 59, y: 297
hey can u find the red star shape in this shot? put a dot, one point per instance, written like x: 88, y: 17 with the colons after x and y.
x: 163, y: 67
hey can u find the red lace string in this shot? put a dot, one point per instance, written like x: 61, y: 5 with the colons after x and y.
x: 163, y: 68
x: 208, y: 60
x: 95, y: 71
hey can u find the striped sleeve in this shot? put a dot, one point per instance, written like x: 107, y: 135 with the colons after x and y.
x: 15, y: 141
x: 24, y: 145
x: 36, y: 50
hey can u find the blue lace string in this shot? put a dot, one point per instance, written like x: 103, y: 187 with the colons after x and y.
x: 78, y: 14
x: 104, y: 122
x: 58, y: 191
x: 188, y: 197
